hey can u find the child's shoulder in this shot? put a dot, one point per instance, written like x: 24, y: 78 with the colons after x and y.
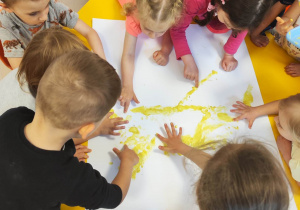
x: 17, y: 114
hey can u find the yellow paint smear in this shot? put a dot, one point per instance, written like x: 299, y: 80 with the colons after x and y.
x: 110, y: 163
x: 194, y: 88
x: 224, y: 117
x: 142, y: 145
x: 248, y: 98
x: 128, y: 117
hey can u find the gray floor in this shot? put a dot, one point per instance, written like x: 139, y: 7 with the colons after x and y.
x: 75, y: 5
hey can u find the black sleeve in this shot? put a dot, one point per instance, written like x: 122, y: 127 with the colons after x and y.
x: 90, y: 190
x: 287, y: 2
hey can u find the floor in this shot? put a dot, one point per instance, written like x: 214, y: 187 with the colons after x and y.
x: 75, y: 5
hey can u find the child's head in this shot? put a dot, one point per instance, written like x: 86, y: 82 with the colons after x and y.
x: 41, y: 51
x: 78, y: 88
x: 288, y: 120
x: 155, y: 16
x: 243, y: 176
x: 31, y: 12
x: 239, y: 14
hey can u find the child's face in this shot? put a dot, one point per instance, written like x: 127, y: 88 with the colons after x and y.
x: 282, y: 125
x: 149, y: 30
x: 31, y: 12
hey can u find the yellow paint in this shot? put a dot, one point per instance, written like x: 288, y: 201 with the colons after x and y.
x: 296, y: 42
x: 224, y: 117
x: 110, y: 163
x: 128, y: 117
x: 194, y: 88
x: 142, y: 145
x: 248, y: 98
x: 114, y: 115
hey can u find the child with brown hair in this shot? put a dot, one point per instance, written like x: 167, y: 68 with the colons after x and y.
x: 75, y: 93
x: 45, y: 47
x: 20, y: 21
x: 239, y: 176
x: 287, y: 123
x: 153, y: 18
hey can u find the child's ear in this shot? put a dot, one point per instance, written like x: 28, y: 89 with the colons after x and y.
x: 4, y: 7
x: 86, y: 130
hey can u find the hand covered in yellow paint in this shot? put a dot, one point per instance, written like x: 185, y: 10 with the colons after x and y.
x: 126, y: 96
x: 109, y: 126
x: 246, y: 112
x: 229, y: 63
x: 173, y: 141
x: 284, y: 25
x: 127, y: 155
x: 161, y: 58
x: 81, y: 152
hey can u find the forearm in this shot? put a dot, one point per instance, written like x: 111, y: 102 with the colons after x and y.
x: 95, y: 43
x: 187, y: 59
x: 293, y: 12
x: 14, y: 62
x: 127, y: 70
x: 123, y: 177
x: 269, y: 18
x: 267, y: 109
x: 167, y: 44
x: 198, y: 156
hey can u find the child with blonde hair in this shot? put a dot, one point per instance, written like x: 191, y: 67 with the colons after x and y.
x: 219, y: 16
x: 20, y: 21
x: 42, y: 50
x: 153, y: 18
x: 287, y: 123
x: 75, y: 93
x: 239, y: 176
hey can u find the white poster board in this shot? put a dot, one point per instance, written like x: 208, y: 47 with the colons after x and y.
x: 162, y: 182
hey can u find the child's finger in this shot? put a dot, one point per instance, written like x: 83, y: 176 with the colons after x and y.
x: 239, y: 118
x: 250, y: 123
x: 121, y: 122
x: 167, y: 130
x: 109, y: 114
x: 119, y: 127
x: 163, y: 148
x: 126, y: 106
x: 116, y: 151
x: 241, y: 103
x: 155, y: 54
x: 135, y: 99
x: 163, y: 139
x: 115, y: 133
x: 180, y: 131
x: 173, y: 128
x: 224, y: 66
x: 279, y: 20
x: 197, y: 81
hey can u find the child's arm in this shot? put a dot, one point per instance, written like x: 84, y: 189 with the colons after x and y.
x: 269, y: 18
x: 285, y: 23
x: 161, y: 57
x: 81, y: 152
x: 251, y: 113
x: 191, y: 71
x: 127, y: 71
x: 175, y: 145
x: 14, y: 62
x: 109, y: 126
x: 92, y: 37
x: 128, y: 159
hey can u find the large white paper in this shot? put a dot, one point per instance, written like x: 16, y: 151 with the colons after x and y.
x: 166, y: 182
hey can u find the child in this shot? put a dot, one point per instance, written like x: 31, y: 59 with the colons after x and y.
x: 239, y: 176
x: 289, y: 20
x: 75, y: 93
x: 45, y: 47
x: 21, y: 20
x: 287, y: 123
x: 229, y: 12
x: 258, y: 36
x: 153, y: 18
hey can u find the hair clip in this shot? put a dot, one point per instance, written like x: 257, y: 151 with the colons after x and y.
x: 223, y: 2
x: 210, y: 7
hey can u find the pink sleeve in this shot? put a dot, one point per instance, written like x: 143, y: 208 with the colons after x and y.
x: 179, y: 39
x: 132, y: 26
x: 233, y: 43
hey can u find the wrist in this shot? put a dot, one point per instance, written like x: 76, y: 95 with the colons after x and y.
x: 184, y: 149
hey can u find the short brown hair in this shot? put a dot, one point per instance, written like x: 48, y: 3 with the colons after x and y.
x: 9, y: 3
x: 291, y: 107
x: 41, y: 51
x: 243, y: 177
x: 77, y: 88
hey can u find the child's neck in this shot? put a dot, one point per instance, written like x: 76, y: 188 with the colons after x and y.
x: 43, y: 135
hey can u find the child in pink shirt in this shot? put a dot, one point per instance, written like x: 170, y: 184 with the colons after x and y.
x: 234, y: 14
x: 153, y: 18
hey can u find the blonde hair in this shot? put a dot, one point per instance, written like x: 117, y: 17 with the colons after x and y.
x: 41, y: 51
x: 77, y: 88
x: 160, y: 11
x: 243, y: 177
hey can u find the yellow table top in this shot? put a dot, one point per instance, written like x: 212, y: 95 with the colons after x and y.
x: 268, y: 63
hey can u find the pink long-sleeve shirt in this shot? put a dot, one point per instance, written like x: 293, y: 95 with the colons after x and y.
x: 198, y: 8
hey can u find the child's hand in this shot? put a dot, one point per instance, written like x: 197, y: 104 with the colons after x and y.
x: 127, y: 154
x: 161, y: 58
x: 246, y: 112
x: 173, y: 141
x: 110, y: 125
x: 126, y: 96
x: 228, y: 62
x: 81, y: 152
x: 191, y: 71
x: 284, y: 25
